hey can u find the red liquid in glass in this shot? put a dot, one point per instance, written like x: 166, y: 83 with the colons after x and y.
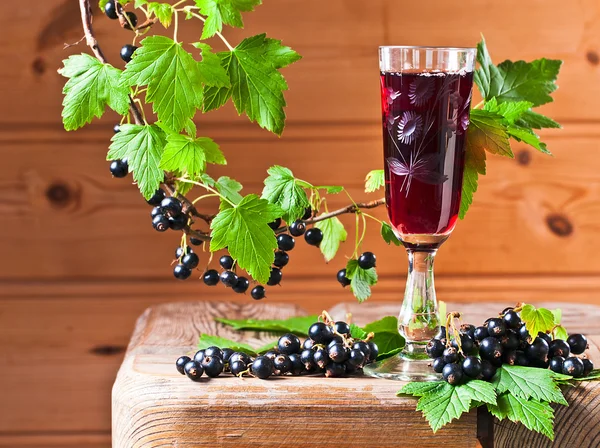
x: 425, y: 119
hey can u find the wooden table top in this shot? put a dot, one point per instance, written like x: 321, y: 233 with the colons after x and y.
x: 153, y: 405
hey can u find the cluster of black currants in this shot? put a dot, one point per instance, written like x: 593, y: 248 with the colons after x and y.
x: 231, y: 280
x: 367, y: 260
x: 477, y: 352
x: 167, y: 212
x: 329, y: 349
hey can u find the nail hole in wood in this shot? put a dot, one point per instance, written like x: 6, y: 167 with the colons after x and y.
x: 523, y: 157
x: 592, y: 57
x: 107, y: 350
x: 38, y: 66
x: 59, y: 194
x: 559, y: 225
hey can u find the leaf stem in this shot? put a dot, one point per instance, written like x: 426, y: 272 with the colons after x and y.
x: 176, y: 25
x: 206, y: 187
x: 204, y: 196
x: 198, y: 16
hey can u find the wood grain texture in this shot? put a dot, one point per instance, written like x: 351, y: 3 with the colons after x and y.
x: 154, y: 405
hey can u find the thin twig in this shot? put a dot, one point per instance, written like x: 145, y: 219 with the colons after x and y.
x: 352, y: 208
x: 74, y: 44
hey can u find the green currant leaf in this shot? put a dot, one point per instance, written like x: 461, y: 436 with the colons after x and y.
x: 388, y: 234
x: 142, y: 146
x: 190, y: 155
x: 516, y: 81
x: 528, y: 382
x: 528, y: 137
x: 256, y: 84
x: 283, y: 189
x: 356, y: 332
x: 593, y: 375
x: 230, y: 188
x: 361, y: 280
x: 533, y: 120
x: 297, y: 325
x: 92, y: 86
x: 206, y: 179
x: 421, y: 388
x: 162, y: 11
x: 244, y: 230
x: 533, y: 414
x: 330, y: 189
x: 212, y: 71
x: 374, y: 181
x: 333, y: 234
x: 537, y: 319
x: 173, y: 77
x: 511, y: 111
x: 219, y: 12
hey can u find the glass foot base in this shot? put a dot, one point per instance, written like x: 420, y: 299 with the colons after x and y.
x: 403, y: 368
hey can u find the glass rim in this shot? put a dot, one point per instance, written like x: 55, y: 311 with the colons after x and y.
x: 424, y: 47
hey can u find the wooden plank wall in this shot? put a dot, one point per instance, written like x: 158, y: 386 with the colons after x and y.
x: 80, y: 261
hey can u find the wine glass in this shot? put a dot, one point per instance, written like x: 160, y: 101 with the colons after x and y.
x: 425, y: 101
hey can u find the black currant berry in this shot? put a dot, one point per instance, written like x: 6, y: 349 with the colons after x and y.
x: 193, y: 370
x: 262, y: 367
x: 588, y: 366
x: 496, y: 327
x: 275, y: 277
x: 156, y: 211
x: 511, y: 319
x: 356, y: 358
x: 178, y: 221
x: 471, y: 366
x: 321, y: 358
x: 578, y: 343
x: 282, y: 364
x: 117, y: 128
x: 110, y: 9
x: 556, y: 364
x: 308, y: 359
x: 538, y: 350
x: 510, y: 341
x: 237, y: 367
x: 321, y: 333
x: 367, y: 260
x: 228, y: 278
x: 285, y: 242
x: 558, y: 347
x: 127, y: 52
x: 338, y: 353
x: 313, y: 236
x: 171, y: 205
x: 226, y: 262
x: 481, y: 333
x: 199, y: 356
x: 487, y: 370
x: 211, y: 277
x: 181, y: 362
x: 539, y: 363
x: 335, y: 370
x: 468, y: 329
x: 213, y: 351
x: 297, y: 365
x: 337, y: 339
x: 453, y: 373
x: 363, y: 347
x: 466, y: 343
x: 545, y: 336
x: 190, y: 260
x: 288, y: 344
x: 438, y: 364
x: 258, y: 292
x: 509, y: 357
x: 435, y: 348
x: 524, y: 334
x: 180, y: 252
x: 342, y: 279
x: 275, y: 224
x: 450, y: 355
x: 156, y: 198
x: 242, y: 285
x: 119, y: 168
x: 196, y: 241
x: 281, y: 259
x: 490, y: 349
x: 131, y: 21
x: 239, y: 356
x: 441, y: 334
x: 227, y: 352
x: 308, y: 344
x: 213, y: 366
x: 341, y: 327
x: 573, y: 366
x: 181, y: 272
x: 521, y: 359
x: 374, y: 351
x: 307, y: 213
x: 297, y: 228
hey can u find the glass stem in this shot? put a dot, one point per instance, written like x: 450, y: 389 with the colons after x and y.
x: 418, y: 321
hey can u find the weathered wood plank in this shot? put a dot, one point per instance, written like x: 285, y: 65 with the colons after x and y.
x: 152, y: 403
x: 53, y: 440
